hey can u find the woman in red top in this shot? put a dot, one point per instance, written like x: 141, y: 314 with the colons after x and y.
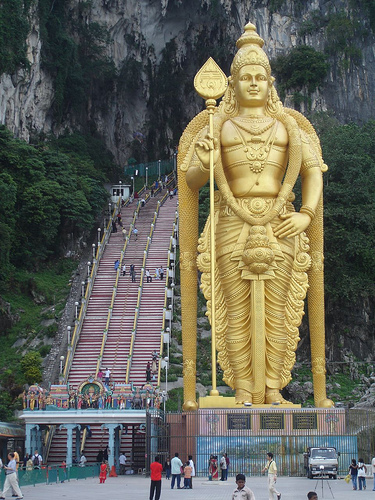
x: 103, y: 472
x: 156, y: 469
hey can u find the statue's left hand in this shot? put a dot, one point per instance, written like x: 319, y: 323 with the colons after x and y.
x: 293, y: 224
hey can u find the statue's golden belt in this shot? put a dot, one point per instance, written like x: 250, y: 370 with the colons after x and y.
x: 255, y: 205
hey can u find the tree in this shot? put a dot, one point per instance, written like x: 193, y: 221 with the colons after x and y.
x: 31, y: 365
x: 349, y: 201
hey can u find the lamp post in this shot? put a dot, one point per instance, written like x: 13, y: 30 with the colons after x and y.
x: 83, y: 289
x: 172, y: 298
x: 170, y: 316
x: 132, y: 178
x: 88, y: 268
x: 76, y: 304
x: 99, y: 231
x: 110, y: 209
x: 159, y: 162
x: 61, y: 364
x: 175, y: 163
x: 120, y: 191
x: 146, y: 177
x: 68, y: 328
x: 93, y: 251
x: 165, y: 365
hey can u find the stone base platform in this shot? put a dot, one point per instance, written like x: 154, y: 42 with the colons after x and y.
x: 224, y: 402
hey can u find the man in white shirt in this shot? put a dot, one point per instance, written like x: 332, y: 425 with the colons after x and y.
x: 107, y: 374
x: 122, y: 462
x: 37, y: 460
x: 11, y: 480
x: 223, y: 467
x: 82, y: 460
x: 176, y: 465
x: 272, y: 477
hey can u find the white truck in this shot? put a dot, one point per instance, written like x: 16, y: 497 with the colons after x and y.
x: 321, y: 461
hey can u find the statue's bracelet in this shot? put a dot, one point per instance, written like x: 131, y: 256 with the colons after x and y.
x: 305, y: 209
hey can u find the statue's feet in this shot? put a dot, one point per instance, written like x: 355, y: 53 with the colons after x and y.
x: 274, y: 396
x: 243, y: 396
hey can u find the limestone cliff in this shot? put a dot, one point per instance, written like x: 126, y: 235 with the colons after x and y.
x: 158, y: 45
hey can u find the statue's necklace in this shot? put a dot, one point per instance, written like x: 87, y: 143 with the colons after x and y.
x: 257, y: 150
x: 253, y: 125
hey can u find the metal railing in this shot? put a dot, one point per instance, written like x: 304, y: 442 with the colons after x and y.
x: 166, y: 294
x: 53, y: 474
x: 90, y: 283
x: 140, y: 288
x: 110, y: 309
x: 246, y: 435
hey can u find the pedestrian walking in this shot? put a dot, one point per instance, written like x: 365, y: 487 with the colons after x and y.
x: 223, y: 468
x: 362, y: 470
x: 135, y: 232
x: 187, y: 476
x: 167, y: 468
x: 272, y: 477
x: 353, y: 471
x: 192, y: 465
x: 124, y: 270
x: 161, y: 272
x: 117, y: 264
x: 11, y: 479
x: 156, y: 469
x: 242, y: 492
x: 107, y: 375
x: 122, y: 462
x: 228, y: 462
x: 148, y: 276
x: 176, y: 465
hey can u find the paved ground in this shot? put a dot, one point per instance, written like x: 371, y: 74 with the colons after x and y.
x: 137, y: 488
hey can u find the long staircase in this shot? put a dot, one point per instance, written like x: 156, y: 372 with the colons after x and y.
x: 146, y: 332
x: 148, y: 336
x: 116, y: 351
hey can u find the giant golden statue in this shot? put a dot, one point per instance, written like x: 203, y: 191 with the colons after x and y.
x: 266, y: 253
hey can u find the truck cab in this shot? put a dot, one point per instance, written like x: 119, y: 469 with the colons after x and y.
x: 321, y: 461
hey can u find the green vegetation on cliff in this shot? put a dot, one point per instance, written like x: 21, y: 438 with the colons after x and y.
x: 14, y: 28
x: 49, y: 193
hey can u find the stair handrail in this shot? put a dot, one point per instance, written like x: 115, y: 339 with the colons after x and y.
x: 83, y: 440
x: 110, y: 309
x: 140, y: 289
x: 90, y: 283
x: 48, y: 441
x: 166, y: 297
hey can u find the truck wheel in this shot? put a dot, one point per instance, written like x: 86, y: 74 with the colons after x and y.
x: 334, y: 476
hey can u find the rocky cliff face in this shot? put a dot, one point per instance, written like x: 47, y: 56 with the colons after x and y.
x: 158, y: 45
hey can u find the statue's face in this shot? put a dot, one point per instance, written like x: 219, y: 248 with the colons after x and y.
x: 251, y: 86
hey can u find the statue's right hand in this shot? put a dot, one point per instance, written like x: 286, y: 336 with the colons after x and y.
x: 203, y: 148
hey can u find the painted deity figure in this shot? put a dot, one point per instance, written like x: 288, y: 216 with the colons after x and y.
x: 263, y: 254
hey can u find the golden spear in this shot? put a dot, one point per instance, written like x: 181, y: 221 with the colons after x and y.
x: 210, y: 83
